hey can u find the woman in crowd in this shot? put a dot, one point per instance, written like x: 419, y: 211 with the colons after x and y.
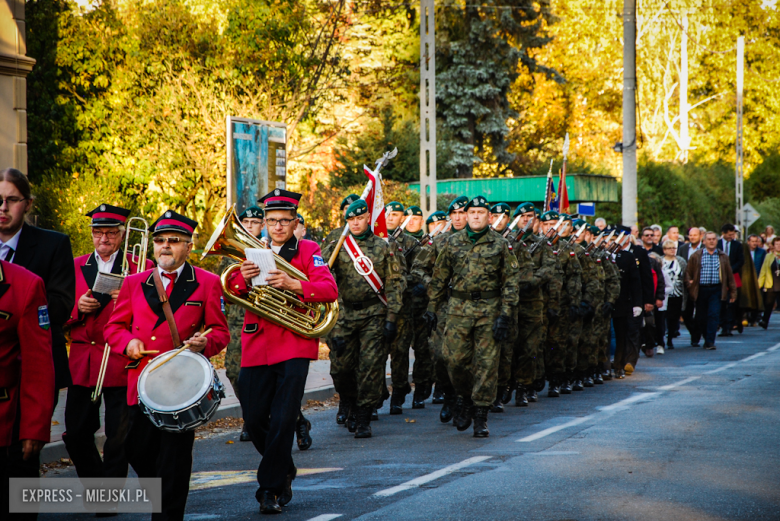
x: 674, y: 271
x: 769, y: 279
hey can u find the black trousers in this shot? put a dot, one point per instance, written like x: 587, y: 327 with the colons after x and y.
x: 673, y: 314
x: 620, y: 324
x: 634, y: 339
x: 660, y: 326
x: 691, y: 324
x: 158, y: 454
x: 770, y: 297
x: 82, y: 421
x: 12, y: 465
x: 270, y: 397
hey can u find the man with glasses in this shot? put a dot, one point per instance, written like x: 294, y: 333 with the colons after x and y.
x: 648, y: 241
x: 275, y: 360
x: 87, y: 320
x: 138, y: 328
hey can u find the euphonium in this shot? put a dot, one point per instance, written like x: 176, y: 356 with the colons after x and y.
x: 138, y: 251
x: 283, y: 308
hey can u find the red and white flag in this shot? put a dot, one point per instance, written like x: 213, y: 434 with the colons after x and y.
x: 376, y: 203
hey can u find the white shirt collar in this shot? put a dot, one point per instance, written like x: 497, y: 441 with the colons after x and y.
x: 13, y: 242
x: 105, y: 266
x: 178, y: 271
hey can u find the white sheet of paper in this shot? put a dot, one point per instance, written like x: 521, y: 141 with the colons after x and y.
x: 107, y: 282
x: 264, y: 260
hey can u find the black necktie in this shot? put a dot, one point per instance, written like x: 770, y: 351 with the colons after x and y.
x: 9, y: 254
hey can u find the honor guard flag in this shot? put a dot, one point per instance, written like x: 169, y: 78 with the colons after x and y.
x: 563, y: 193
x: 376, y: 203
x: 551, y: 203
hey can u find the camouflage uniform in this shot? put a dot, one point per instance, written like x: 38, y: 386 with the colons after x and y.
x: 422, y: 375
x: 483, y: 277
x: 529, y: 357
x: 422, y: 273
x: 399, y: 347
x: 593, y: 294
x: 570, y: 275
x: 358, y: 371
x: 611, y: 293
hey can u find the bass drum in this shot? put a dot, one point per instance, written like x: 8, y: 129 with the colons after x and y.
x: 183, y: 394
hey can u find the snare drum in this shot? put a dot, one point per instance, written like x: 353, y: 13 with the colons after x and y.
x: 181, y: 395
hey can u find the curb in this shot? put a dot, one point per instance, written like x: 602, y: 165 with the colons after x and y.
x: 55, y: 451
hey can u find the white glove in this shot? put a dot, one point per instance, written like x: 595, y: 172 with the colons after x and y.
x: 637, y: 311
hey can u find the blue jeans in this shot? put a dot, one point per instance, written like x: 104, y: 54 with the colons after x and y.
x: 708, y: 311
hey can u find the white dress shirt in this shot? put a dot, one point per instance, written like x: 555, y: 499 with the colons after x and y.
x: 12, y: 243
x: 105, y: 266
x: 166, y: 280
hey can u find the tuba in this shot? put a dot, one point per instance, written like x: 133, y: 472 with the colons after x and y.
x: 283, y: 308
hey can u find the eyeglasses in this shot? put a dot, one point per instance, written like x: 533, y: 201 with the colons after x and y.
x: 273, y: 222
x: 113, y: 234
x: 10, y: 201
x: 252, y: 222
x: 169, y: 240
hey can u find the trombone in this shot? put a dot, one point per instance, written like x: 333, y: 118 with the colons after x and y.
x: 138, y: 251
x: 101, y: 374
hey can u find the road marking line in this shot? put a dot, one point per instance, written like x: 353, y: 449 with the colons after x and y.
x: 719, y: 369
x: 325, y: 517
x: 552, y: 430
x: 628, y: 401
x: 757, y: 355
x: 774, y: 348
x: 432, y: 476
x: 678, y: 384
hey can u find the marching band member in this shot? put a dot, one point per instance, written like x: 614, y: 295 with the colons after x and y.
x: 87, y: 320
x: 482, y: 273
x: 26, y: 376
x: 275, y: 360
x: 371, y: 281
x: 139, y: 324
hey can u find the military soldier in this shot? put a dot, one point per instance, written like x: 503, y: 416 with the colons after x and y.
x: 603, y: 319
x: 422, y: 272
x: 528, y: 367
x: 370, y: 276
x: 499, y: 217
x: 335, y: 234
x: 628, y: 305
x: 592, y: 299
x: 87, y: 320
x: 483, y: 274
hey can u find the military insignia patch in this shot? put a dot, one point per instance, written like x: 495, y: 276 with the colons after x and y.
x: 43, y: 317
x: 222, y: 304
x: 318, y: 261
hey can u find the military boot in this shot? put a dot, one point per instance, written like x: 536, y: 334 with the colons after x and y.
x: 498, y: 404
x: 421, y: 393
x: 375, y: 414
x: 565, y: 384
x: 506, y: 396
x: 521, y: 398
x: 533, y: 396
x: 343, y: 414
x: 576, y: 382
x: 363, y: 422
x: 438, y: 396
x: 553, y: 388
x: 447, y: 409
x: 352, y: 419
x: 587, y: 381
x: 463, y: 420
x: 397, y: 402
x: 457, y: 409
x: 539, y: 384
x: 597, y: 378
x: 480, y: 422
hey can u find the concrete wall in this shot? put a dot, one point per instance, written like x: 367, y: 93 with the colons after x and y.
x: 14, y: 68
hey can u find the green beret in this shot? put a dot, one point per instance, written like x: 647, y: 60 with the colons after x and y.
x: 394, y: 206
x: 348, y: 200
x: 552, y: 215
x: 578, y: 222
x: 252, y: 212
x: 501, y: 208
x: 566, y: 217
x: 435, y: 217
x: 525, y: 208
x: 359, y: 207
x: 592, y: 228
x: 460, y: 202
x: 537, y: 212
x: 414, y: 210
x: 478, y: 202
x: 300, y: 218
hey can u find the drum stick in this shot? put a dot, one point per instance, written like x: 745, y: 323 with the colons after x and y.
x: 149, y: 352
x: 176, y: 353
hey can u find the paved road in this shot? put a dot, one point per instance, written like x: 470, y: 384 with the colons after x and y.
x: 692, y: 435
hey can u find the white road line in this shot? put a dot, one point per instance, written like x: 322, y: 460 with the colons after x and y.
x: 325, y: 517
x: 678, y: 384
x: 719, y: 369
x: 763, y: 353
x: 773, y: 348
x: 431, y: 477
x: 639, y: 397
x: 552, y: 430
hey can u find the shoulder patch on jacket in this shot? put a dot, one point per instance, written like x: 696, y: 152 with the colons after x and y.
x: 318, y: 261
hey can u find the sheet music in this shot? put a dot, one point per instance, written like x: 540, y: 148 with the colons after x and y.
x: 107, y: 282
x: 264, y: 260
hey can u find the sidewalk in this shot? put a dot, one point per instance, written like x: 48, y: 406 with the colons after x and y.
x: 319, y: 386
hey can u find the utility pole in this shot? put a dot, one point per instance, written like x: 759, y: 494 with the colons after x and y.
x: 629, y: 113
x: 739, y: 173
x: 427, y: 108
x: 684, y: 139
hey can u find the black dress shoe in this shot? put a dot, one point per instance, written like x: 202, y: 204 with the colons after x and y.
x: 533, y: 396
x: 578, y: 385
x: 396, y: 403
x: 286, y: 495
x: 438, y: 396
x: 245, y: 436
x: 302, y: 428
x: 480, y: 423
x: 669, y: 344
x: 445, y: 414
x: 763, y: 324
x: 521, y: 396
x: 268, y: 503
